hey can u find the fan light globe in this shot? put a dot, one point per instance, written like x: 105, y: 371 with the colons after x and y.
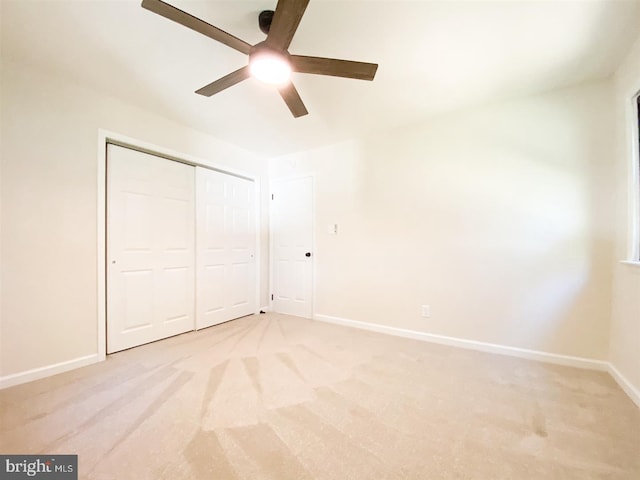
x: 269, y: 68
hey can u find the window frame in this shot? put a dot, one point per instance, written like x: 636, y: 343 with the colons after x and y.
x: 633, y: 254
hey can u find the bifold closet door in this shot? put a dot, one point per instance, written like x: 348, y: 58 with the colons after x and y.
x: 225, y: 247
x: 150, y: 248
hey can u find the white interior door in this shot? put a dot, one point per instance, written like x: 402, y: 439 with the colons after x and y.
x: 150, y: 248
x: 225, y: 247
x: 292, y: 237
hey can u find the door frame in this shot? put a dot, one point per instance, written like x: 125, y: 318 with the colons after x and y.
x: 106, y: 137
x: 272, y: 182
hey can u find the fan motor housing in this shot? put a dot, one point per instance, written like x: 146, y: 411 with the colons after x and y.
x: 263, y: 49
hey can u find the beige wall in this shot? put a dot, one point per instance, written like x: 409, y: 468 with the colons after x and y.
x: 49, y: 148
x: 625, y: 327
x: 498, y: 218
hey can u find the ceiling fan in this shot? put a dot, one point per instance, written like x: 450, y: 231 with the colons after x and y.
x: 270, y: 60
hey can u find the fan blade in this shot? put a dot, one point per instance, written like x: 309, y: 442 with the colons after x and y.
x: 285, y: 22
x: 334, y: 67
x: 200, y: 26
x: 225, y: 82
x: 291, y: 97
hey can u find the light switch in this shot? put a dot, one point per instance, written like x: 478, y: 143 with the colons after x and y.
x: 332, y: 229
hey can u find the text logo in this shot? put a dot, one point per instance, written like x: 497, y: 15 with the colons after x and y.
x: 49, y: 467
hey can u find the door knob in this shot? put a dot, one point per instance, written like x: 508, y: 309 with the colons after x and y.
x: 308, y: 254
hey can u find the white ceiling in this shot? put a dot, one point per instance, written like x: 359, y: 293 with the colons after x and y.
x: 434, y: 56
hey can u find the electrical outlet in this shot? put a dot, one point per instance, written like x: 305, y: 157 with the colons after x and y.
x: 426, y: 311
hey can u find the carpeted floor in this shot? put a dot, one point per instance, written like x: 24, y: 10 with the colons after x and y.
x: 283, y: 398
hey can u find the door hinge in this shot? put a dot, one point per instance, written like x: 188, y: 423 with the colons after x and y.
x: 272, y: 296
x: 273, y: 196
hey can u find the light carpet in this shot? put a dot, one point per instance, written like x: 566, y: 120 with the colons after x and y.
x: 279, y: 397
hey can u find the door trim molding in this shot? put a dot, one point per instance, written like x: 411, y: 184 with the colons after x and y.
x: 272, y: 182
x: 106, y: 137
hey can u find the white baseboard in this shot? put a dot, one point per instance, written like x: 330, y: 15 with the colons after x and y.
x: 265, y: 309
x: 625, y: 384
x: 557, y: 359
x: 49, y: 370
x: 579, y: 362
